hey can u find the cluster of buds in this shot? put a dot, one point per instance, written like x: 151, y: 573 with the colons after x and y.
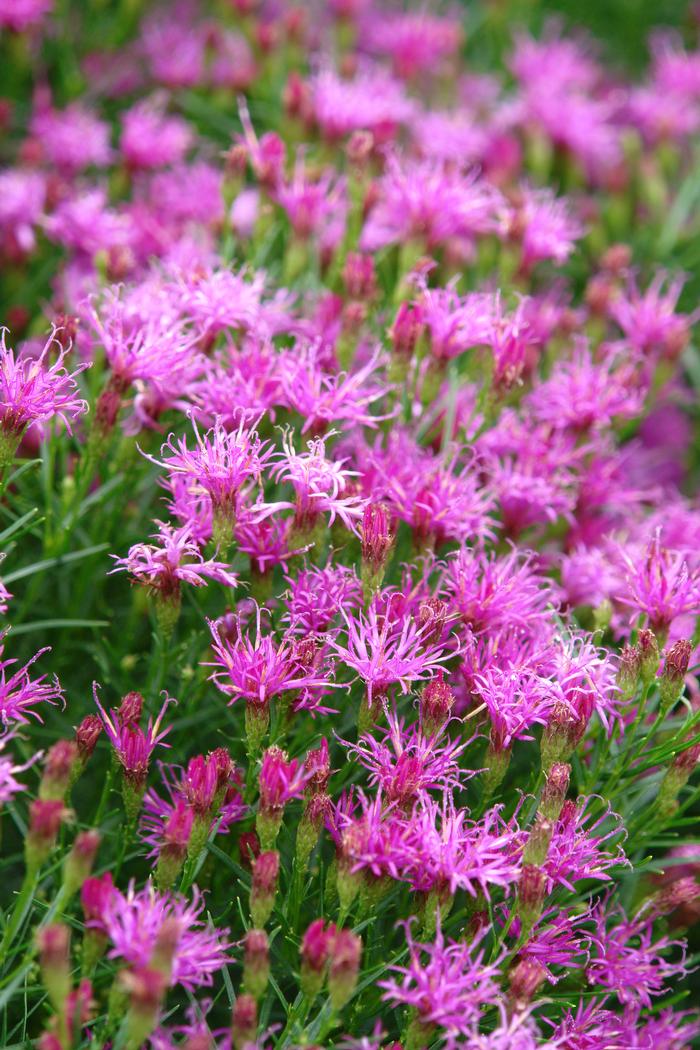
x: 327, y: 951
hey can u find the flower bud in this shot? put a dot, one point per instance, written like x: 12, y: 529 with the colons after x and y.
x: 648, y: 656
x: 165, y: 946
x: 406, y: 330
x: 244, y: 1021
x: 95, y: 895
x: 526, y: 977
x: 146, y: 989
x: 318, y: 765
x: 130, y: 709
x: 346, y: 950
x: 677, y: 776
x: 257, y: 721
x: 86, y: 736
x: 262, y: 894
x: 359, y: 277
x: 537, y: 845
x: 377, y: 541
x: 555, y: 789
x: 256, y: 963
x: 629, y: 671
x: 78, y: 864
x: 173, y: 851
x: 315, y: 952
x: 432, y: 617
x: 359, y: 148
x: 677, y: 894
x: 673, y: 676
x: 53, y: 944
x: 436, y: 703
x: 531, y: 892
x: 248, y: 848
x: 45, y: 819
x: 313, y: 818
x: 58, y: 769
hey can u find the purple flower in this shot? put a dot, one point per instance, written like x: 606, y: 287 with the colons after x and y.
x: 516, y: 700
x: 177, y: 559
x: 628, y: 960
x: 577, y: 849
x: 150, y: 139
x: 19, y: 694
x: 72, y: 138
x: 134, y: 921
x: 448, y: 982
x: 9, y: 786
x: 132, y: 746
x: 34, y: 390
x: 660, y: 584
x: 383, y: 653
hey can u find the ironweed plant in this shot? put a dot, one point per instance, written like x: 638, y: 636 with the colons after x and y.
x: 350, y: 537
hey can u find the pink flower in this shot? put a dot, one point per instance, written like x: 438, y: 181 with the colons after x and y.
x: 447, y: 982
x: 309, y: 204
x: 9, y: 786
x: 176, y: 559
x: 577, y: 848
x: 516, y: 701
x: 72, y: 138
x: 383, y: 653
x: 257, y: 669
x: 544, y: 226
x: 18, y: 15
x: 319, y: 483
x: 22, y: 198
x: 281, y: 780
x: 315, y: 597
x: 491, y: 592
x: 134, y: 921
x: 19, y: 693
x: 627, y: 959
x: 322, y: 399
x: 33, y: 390
x: 150, y: 139
x: 660, y: 584
x: 649, y: 319
x: 371, y: 101
x: 417, y: 42
x: 219, y: 465
x: 132, y: 746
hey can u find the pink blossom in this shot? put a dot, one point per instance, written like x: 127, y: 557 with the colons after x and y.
x: 175, y: 559
x: 19, y: 694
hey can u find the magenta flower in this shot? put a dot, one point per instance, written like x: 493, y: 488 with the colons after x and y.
x: 448, y: 982
x: 383, y: 653
x: 315, y: 595
x: 219, y: 466
x: 132, y: 746
x: 405, y: 763
x: 19, y: 694
x: 9, y: 786
x: 18, y: 15
x: 22, y: 199
x: 134, y: 921
x: 257, y: 668
x: 516, y: 700
x: 493, y: 592
x: 319, y: 483
x: 416, y: 41
x: 150, y: 139
x: 281, y: 780
x: 309, y: 204
x: 177, y: 559
x: 72, y: 138
x: 660, y: 584
x: 33, y: 390
x: 322, y: 399
x: 627, y: 959
x: 649, y: 319
x: 454, y: 323
x: 544, y: 225
x: 558, y: 939
x: 372, y: 101
x: 577, y: 849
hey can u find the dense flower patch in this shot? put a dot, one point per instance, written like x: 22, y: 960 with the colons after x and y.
x: 349, y: 528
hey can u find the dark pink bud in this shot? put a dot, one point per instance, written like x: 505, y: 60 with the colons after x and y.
x: 359, y: 148
x: 555, y: 789
x: 406, y: 329
x: 674, y: 672
x: 525, y: 979
x: 256, y: 962
x: 359, y: 276
x: 58, y: 769
x: 432, y: 617
x: 45, y: 819
x: 95, y: 895
x: 244, y: 1021
x: 87, y: 735
x: 318, y: 765
x: 436, y: 702
x: 262, y: 894
x: 130, y: 709
x: 377, y: 536
x: 80, y: 860
x: 346, y: 951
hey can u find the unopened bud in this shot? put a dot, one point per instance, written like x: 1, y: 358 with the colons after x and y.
x: 526, y: 978
x: 673, y: 676
x: 377, y: 541
x: 359, y: 277
x: 264, y: 887
x: 677, y: 894
x: 79, y: 862
x: 346, y: 950
x: 537, y: 845
x: 629, y: 671
x: 45, y: 819
x: 53, y: 943
x: 406, y: 330
x: 244, y: 1021
x: 555, y: 789
x: 256, y: 963
x: 315, y: 952
x: 146, y: 989
x: 86, y: 736
x: 130, y: 709
x: 176, y: 838
x: 531, y: 892
x: 436, y: 703
x: 648, y: 655
x: 58, y: 769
